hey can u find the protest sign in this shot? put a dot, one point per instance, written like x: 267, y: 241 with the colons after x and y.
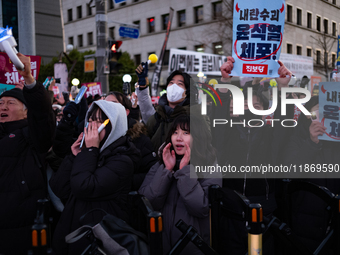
x: 10, y: 75
x: 329, y: 103
x: 257, y: 37
x: 4, y: 87
x: 193, y: 62
x: 93, y: 88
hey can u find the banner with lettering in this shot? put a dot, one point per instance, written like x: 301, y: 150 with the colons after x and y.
x: 257, y: 37
x: 93, y: 88
x: 10, y: 75
x: 329, y: 103
x: 193, y: 62
x: 4, y: 87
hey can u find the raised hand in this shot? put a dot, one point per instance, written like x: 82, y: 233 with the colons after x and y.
x: 91, y: 135
x: 75, y: 146
x: 186, y: 158
x: 169, y: 157
x: 316, y: 129
x: 142, y: 74
x: 226, y: 69
x: 26, y: 73
x: 285, y: 76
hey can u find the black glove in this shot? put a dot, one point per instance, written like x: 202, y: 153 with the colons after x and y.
x: 71, y: 112
x: 142, y: 73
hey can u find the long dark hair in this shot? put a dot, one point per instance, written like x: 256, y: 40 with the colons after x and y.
x: 202, y: 151
x: 101, y: 118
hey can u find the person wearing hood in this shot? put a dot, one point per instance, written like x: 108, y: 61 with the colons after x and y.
x: 97, y: 175
x: 175, y: 102
x: 138, y: 135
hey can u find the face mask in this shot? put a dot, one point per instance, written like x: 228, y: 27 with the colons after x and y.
x: 174, y: 93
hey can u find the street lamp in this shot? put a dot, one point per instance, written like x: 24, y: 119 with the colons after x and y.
x: 126, y: 85
x: 75, y: 82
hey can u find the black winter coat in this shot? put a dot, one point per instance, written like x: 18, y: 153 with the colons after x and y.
x: 137, y: 132
x: 22, y: 181
x: 309, y: 217
x: 92, y: 180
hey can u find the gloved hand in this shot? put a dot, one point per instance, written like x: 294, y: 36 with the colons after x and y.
x: 142, y: 74
x: 71, y: 112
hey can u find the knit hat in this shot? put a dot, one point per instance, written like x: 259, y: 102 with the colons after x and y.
x: 16, y: 93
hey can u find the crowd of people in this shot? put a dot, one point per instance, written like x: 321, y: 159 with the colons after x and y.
x: 57, y: 151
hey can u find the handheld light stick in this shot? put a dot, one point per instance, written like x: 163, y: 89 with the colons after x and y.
x: 8, y: 44
x: 255, y: 229
x: 152, y: 59
x: 102, y: 126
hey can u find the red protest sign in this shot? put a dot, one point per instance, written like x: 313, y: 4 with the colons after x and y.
x: 93, y: 88
x: 10, y: 75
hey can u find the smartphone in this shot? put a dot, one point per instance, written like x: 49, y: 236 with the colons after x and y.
x: 80, y: 94
x: 83, y: 139
x: 48, y: 82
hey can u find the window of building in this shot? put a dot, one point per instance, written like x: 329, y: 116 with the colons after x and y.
x: 333, y: 28
x: 299, y: 17
x: 80, y: 40
x: 166, y: 57
x: 218, y: 48
x: 112, y: 33
x: 122, y: 4
x: 289, y: 48
x: 325, y: 26
x: 137, y: 59
x: 309, y: 20
x: 333, y: 60
x: 69, y: 15
x: 90, y: 38
x: 165, y: 19
x: 309, y: 52
x: 318, y: 24
x: 88, y: 10
x: 298, y: 50
x: 135, y: 1
x: 199, y: 48
x: 182, y: 48
x: 334, y: 2
x: 151, y: 25
x: 70, y: 40
x: 137, y: 22
x: 79, y: 12
x: 111, y: 4
x: 198, y: 14
x: 217, y: 10
x: 289, y: 13
x: 181, y: 18
x: 318, y: 57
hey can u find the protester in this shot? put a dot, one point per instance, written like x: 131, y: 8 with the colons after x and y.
x: 98, y: 175
x: 172, y: 104
x: 244, y: 145
x: 138, y: 135
x: 27, y: 126
x: 176, y: 192
x: 310, y: 217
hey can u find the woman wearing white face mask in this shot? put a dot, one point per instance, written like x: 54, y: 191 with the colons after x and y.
x: 172, y: 104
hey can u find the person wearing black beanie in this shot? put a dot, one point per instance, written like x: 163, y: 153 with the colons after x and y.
x: 27, y: 126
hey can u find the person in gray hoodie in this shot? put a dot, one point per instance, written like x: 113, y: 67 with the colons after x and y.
x: 174, y: 188
x: 98, y: 175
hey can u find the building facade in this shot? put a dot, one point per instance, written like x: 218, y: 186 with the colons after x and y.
x: 47, y: 38
x: 201, y: 25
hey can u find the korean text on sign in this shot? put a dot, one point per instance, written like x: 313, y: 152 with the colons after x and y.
x: 329, y: 109
x: 257, y: 37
